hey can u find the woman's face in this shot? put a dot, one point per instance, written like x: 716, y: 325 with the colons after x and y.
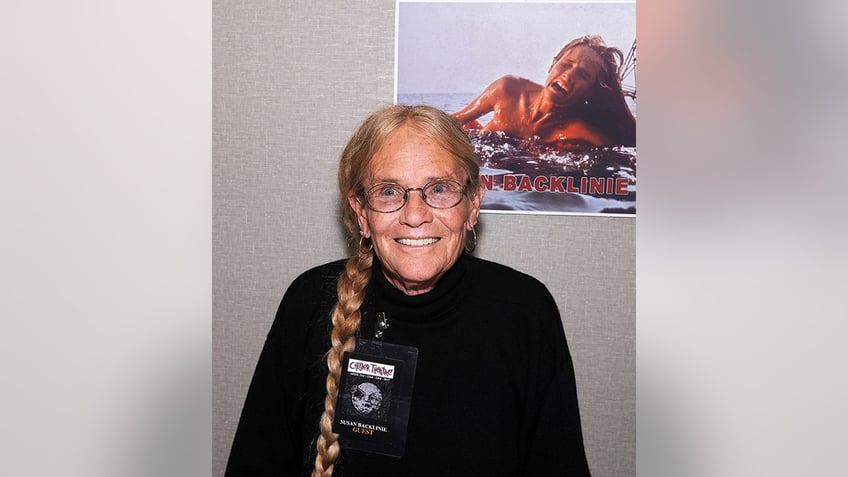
x: 572, y: 78
x: 416, y: 244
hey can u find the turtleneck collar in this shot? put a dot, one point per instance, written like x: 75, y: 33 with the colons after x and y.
x: 425, y: 307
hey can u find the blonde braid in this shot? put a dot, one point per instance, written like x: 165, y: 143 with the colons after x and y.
x: 346, y: 320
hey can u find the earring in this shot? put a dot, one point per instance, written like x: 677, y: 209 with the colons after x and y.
x: 362, y: 249
x: 470, y: 247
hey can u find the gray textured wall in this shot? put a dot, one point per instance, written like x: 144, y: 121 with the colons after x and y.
x: 290, y: 83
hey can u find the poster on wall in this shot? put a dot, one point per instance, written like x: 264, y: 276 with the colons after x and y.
x: 546, y: 92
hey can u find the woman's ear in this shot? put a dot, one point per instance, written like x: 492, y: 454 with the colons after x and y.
x: 361, y: 217
x: 474, y: 212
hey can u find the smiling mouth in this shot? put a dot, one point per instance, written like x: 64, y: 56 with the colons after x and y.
x: 417, y: 242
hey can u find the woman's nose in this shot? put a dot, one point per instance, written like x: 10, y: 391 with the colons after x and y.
x: 416, y: 212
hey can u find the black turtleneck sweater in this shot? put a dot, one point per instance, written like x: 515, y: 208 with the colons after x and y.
x: 494, y: 390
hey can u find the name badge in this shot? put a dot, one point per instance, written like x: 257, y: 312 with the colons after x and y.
x: 375, y: 395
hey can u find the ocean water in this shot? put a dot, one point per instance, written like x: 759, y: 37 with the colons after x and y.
x: 524, y: 176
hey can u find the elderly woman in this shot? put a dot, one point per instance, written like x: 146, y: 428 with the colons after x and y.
x: 412, y: 357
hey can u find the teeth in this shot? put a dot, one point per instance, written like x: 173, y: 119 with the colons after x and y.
x: 417, y: 243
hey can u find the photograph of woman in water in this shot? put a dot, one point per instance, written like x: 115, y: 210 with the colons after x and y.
x: 547, y: 93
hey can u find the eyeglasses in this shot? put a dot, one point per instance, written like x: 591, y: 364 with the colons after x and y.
x: 388, y: 197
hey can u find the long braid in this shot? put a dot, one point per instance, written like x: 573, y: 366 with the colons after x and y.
x: 346, y: 319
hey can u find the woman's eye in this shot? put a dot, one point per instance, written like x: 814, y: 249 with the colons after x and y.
x: 387, y: 191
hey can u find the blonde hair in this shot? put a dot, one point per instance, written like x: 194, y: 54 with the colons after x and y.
x: 353, y: 167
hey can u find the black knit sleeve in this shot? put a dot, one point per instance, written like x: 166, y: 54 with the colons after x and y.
x: 271, y: 438
x: 555, y: 438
